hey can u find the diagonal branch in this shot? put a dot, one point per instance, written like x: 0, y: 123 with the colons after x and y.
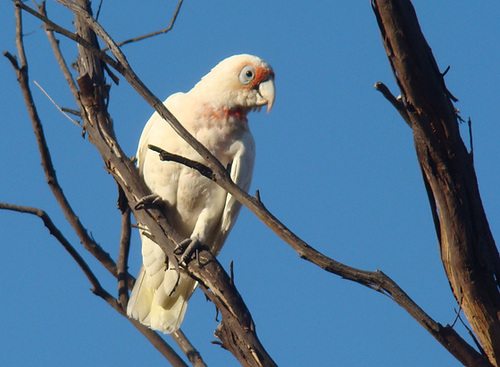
x: 97, y: 289
x: 162, y: 31
x: 54, y: 231
x: 376, y: 280
x: 188, y: 349
x: 60, y: 58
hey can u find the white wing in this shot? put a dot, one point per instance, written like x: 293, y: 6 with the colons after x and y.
x: 241, y: 174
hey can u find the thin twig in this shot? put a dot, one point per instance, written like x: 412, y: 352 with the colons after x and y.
x: 19, y: 40
x: 63, y: 65
x: 471, y: 334
x: 70, y: 110
x: 162, y: 31
x: 99, y: 9
x: 57, y: 106
x: 63, y: 31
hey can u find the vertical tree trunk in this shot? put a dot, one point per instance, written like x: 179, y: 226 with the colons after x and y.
x: 468, y: 250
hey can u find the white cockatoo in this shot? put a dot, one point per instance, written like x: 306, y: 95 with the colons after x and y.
x: 215, y: 113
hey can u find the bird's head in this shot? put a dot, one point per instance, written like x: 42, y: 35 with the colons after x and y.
x: 242, y: 82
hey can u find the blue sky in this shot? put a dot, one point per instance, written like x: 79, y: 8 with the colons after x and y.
x: 335, y: 162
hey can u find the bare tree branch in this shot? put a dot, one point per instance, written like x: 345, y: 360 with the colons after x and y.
x: 97, y: 289
x: 54, y: 231
x: 122, y: 263
x: 56, y: 105
x: 376, y: 280
x: 60, y: 58
x: 162, y: 31
x: 166, y: 156
x: 396, y: 102
x: 188, y: 349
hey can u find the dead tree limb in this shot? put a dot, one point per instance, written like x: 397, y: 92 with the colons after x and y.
x: 97, y: 289
x: 188, y: 349
x: 161, y: 31
x: 54, y: 231
x: 467, y: 247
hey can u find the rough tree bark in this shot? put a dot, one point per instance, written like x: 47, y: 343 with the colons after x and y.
x: 467, y: 247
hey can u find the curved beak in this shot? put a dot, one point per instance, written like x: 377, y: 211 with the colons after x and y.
x: 267, y: 93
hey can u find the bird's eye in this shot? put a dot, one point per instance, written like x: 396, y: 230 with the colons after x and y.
x: 247, y: 74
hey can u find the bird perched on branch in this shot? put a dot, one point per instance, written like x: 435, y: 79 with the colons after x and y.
x: 215, y: 113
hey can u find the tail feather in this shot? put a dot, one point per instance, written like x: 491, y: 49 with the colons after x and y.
x: 141, y: 298
x: 159, y: 307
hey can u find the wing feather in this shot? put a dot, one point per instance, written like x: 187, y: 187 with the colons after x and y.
x: 241, y: 174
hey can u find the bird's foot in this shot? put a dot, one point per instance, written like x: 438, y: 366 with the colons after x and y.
x: 148, y: 201
x: 187, y: 248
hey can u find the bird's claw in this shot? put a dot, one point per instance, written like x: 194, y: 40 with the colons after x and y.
x: 148, y: 201
x: 186, y: 249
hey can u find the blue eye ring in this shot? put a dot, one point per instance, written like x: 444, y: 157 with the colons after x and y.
x: 247, y: 74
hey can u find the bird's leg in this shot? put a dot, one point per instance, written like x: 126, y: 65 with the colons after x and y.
x: 186, y: 249
x: 148, y: 201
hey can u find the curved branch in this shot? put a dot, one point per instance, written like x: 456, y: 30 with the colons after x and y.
x: 97, y: 289
x: 162, y: 31
x: 54, y: 231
